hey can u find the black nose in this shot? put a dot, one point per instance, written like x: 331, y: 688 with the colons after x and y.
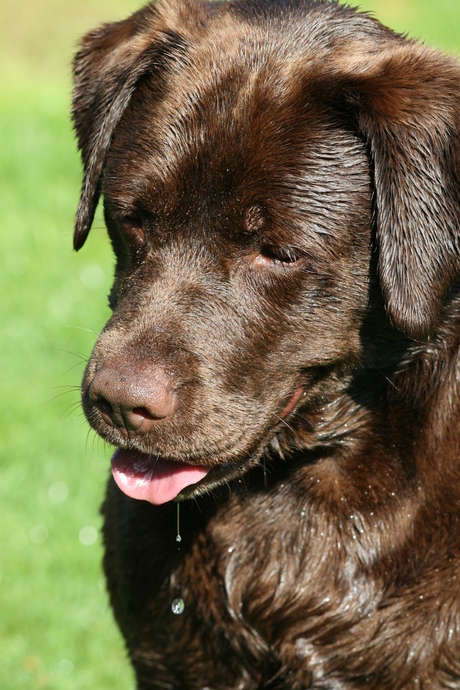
x: 132, y: 397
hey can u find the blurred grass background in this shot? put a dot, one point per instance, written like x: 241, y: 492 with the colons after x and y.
x: 56, y: 628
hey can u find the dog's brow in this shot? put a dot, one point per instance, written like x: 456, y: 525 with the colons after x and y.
x: 121, y: 208
x: 254, y: 219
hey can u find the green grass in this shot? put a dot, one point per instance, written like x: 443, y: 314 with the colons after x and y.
x: 435, y: 22
x: 56, y: 628
x: 55, y: 625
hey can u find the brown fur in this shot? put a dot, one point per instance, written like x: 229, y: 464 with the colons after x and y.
x: 281, y: 185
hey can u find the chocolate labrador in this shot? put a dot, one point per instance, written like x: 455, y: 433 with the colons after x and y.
x: 280, y: 375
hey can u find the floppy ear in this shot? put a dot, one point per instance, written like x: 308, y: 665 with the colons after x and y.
x: 107, y: 69
x: 406, y: 105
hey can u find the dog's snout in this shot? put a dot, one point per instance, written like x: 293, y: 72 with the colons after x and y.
x: 132, y: 398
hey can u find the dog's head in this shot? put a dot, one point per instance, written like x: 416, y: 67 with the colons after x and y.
x: 280, y: 187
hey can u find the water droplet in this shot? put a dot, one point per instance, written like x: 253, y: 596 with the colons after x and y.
x: 177, y: 607
x: 178, y: 537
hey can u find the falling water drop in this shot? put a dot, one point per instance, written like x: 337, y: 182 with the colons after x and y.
x: 177, y: 607
x: 178, y: 537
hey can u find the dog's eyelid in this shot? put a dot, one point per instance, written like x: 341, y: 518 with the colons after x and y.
x: 132, y: 229
x: 281, y: 255
x: 278, y: 258
x: 131, y: 219
x: 138, y: 217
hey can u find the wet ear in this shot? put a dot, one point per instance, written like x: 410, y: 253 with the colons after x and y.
x: 107, y: 69
x: 406, y: 105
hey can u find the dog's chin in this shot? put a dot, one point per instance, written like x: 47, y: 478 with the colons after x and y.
x: 160, y: 480
x: 217, y: 476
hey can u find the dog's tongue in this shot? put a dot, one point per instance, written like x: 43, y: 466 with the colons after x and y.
x: 148, y: 479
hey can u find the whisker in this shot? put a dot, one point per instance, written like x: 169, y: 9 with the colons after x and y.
x: 86, y: 329
x: 70, y: 389
x: 389, y: 380
x: 87, y: 439
x: 79, y: 355
x: 66, y: 414
x: 74, y: 366
x: 285, y: 423
x: 308, y: 421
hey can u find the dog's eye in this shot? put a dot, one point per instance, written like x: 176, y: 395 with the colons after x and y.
x: 133, y: 233
x: 277, y: 255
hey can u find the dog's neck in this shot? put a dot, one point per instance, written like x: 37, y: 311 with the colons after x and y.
x: 393, y: 430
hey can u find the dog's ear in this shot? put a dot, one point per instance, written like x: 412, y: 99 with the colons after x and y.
x: 406, y: 106
x: 107, y: 68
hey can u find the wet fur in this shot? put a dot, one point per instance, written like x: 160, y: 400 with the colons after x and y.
x: 330, y: 558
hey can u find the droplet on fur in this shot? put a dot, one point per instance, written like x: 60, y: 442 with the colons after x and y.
x: 177, y: 607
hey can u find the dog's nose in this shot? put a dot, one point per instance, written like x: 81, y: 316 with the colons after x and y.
x: 135, y: 399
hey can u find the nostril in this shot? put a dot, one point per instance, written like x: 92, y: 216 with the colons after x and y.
x: 142, y: 412
x: 104, y: 406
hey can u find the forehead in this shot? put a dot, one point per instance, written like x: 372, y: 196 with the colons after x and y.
x: 232, y: 119
x: 225, y: 122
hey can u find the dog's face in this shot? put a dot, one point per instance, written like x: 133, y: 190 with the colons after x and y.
x: 242, y: 166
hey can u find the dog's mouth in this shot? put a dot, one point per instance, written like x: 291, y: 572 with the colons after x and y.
x: 159, y: 480
x: 153, y: 479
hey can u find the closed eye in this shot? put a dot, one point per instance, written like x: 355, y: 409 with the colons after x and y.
x: 133, y: 232
x: 277, y: 256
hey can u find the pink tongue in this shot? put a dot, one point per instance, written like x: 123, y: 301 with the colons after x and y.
x: 148, y: 479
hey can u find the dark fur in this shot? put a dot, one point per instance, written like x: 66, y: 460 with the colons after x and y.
x: 281, y: 187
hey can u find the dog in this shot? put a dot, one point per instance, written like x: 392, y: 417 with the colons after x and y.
x: 280, y: 376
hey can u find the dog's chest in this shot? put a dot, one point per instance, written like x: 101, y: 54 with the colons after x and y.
x: 229, y: 607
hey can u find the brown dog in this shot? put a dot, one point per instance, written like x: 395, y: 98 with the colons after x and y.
x: 281, y: 186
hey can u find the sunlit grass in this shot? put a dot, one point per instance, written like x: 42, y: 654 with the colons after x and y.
x: 436, y: 23
x: 56, y: 629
